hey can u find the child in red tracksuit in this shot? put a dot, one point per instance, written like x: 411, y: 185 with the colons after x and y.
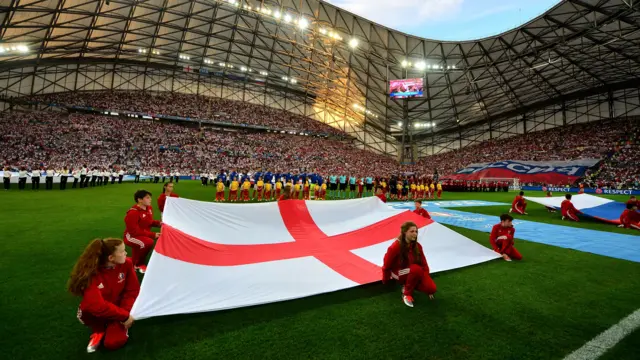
x: 138, y: 234
x: 518, y: 205
x: 406, y: 263
x: 501, y: 238
x: 420, y: 210
x: 107, y: 282
x: 630, y: 217
x: 167, y: 191
x: 568, y: 210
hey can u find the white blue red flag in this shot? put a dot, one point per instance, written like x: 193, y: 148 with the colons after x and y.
x: 214, y: 256
x: 593, y: 206
x: 548, y: 172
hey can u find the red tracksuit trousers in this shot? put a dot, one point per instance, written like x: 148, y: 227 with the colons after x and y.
x: 115, y: 334
x: 512, y: 252
x: 417, y: 279
x: 140, y: 247
x: 519, y: 209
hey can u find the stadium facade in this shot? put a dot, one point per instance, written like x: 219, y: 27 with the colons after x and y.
x: 578, y: 62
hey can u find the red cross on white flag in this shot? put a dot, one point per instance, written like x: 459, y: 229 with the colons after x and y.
x: 214, y: 256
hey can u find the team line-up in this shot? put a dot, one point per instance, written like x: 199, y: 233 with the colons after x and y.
x: 261, y: 190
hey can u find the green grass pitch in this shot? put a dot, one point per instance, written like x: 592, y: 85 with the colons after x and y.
x: 541, y: 308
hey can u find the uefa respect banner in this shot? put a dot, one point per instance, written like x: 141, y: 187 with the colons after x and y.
x: 215, y: 256
x: 552, y: 172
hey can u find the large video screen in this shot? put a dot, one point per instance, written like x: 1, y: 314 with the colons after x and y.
x: 405, y: 88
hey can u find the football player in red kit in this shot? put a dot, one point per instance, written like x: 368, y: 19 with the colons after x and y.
x: 138, y: 234
x: 167, y: 191
x: 519, y: 205
x: 105, y: 279
x: 630, y: 217
x: 568, y: 210
x: 501, y: 238
x: 633, y: 200
x: 406, y: 263
x: 420, y: 210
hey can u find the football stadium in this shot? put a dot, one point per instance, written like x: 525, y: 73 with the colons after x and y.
x: 289, y: 180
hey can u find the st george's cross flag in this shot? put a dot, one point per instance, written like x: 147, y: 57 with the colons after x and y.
x: 214, y: 256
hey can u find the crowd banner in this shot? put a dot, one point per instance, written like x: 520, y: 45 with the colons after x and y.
x: 528, y: 171
x: 575, y: 190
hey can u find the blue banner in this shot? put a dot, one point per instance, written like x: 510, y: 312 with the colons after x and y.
x: 586, y: 190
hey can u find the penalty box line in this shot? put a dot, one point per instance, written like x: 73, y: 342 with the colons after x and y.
x: 608, y: 339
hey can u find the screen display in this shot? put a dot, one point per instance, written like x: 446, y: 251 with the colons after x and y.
x: 405, y: 88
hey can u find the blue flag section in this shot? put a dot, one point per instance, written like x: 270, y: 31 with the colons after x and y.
x: 596, y: 207
x: 620, y: 246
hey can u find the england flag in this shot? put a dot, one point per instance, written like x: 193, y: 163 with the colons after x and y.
x: 214, y: 256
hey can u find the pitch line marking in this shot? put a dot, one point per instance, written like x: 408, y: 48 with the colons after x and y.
x: 608, y: 339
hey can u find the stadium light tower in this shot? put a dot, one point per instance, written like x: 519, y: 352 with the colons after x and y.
x: 353, y: 43
x: 404, y: 63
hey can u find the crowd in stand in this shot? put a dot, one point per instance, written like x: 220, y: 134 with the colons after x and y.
x: 191, y: 106
x: 58, y: 140
x: 581, y: 141
x: 103, y: 143
x: 622, y: 168
x: 616, y: 141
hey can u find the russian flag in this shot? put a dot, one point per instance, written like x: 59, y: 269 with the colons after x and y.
x: 596, y: 207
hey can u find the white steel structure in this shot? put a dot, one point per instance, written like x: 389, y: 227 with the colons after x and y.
x: 577, y: 62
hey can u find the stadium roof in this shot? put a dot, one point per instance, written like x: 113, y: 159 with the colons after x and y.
x: 304, y: 46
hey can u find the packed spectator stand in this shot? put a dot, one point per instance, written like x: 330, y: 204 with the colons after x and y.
x: 54, y: 139
x: 189, y: 106
x: 616, y: 141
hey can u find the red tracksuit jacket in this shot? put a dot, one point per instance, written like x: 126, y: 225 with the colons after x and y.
x: 139, y: 222
x: 519, y: 200
x: 393, y: 260
x: 112, y: 292
x: 497, y: 231
x: 629, y: 217
x: 422, y: 212
x: 636, y: 203
x: 162, y: 199
x: 567, y: 206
